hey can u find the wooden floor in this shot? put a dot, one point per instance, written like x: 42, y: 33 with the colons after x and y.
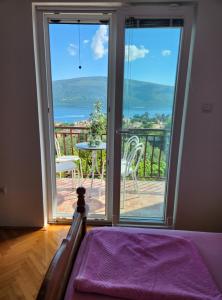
x: 147, y: 201
x: 24, y: 259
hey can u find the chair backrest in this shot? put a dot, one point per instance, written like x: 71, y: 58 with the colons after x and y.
x: 57, y: 146
x: 134, y: 158
x: 129, y: 145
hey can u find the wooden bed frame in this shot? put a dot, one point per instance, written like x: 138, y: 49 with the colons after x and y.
x: 55, y: 283
x: 56, y: 279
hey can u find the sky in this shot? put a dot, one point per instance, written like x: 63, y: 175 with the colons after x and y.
x: 151, y: 54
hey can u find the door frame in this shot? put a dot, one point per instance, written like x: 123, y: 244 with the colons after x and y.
x: 45, y: 101
x: 118, y: 12
x: 169, y: 11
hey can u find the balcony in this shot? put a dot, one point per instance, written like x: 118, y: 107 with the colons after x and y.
x: 146, y: 201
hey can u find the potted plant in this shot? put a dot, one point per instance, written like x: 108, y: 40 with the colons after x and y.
x: 97, y: 127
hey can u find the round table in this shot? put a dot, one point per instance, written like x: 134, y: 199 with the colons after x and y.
x: 94, y: 149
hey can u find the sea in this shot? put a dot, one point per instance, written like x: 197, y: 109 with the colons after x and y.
x: 73, y: 115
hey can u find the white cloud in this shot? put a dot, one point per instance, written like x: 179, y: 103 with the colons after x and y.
x: 99, y: 41
x: 72, y: 49
x: 166, y: 52
x: 85, y: 41
x: 132, y: 52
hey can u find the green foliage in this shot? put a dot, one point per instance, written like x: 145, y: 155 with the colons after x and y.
x: 162, y: 121
x: 154, y: 164
x: 156, y: 143
x: 97, y: 120
x: 65, y: 139
x: 82, y: 92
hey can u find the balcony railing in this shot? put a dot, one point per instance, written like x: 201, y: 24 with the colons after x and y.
x: 156, y: 145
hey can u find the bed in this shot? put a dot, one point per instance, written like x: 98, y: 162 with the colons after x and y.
x: 99, y: 264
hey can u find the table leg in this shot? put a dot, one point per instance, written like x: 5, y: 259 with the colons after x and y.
x: 94, y: 165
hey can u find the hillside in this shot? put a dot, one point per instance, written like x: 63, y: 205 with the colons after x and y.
x: 84, y: 91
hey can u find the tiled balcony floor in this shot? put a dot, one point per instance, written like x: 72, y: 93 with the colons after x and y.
x: 147, y: 202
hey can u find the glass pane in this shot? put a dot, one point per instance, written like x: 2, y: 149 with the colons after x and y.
x: 79, y: 63
x: 151, y: 58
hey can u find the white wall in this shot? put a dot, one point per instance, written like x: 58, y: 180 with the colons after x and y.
x: 19, y: 150
x: 200, y: 191
x: 200, y: 194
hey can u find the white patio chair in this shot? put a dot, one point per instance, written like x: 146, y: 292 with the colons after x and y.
x: 128, y: 148
x: 129, y: 167
x: 132, y: 141
x: 67, y: 158
x: 68, y: 166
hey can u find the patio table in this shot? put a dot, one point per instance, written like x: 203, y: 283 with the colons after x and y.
x: 85, y: 146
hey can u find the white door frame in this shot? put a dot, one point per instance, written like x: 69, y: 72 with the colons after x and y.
x: 45, y: 102
x: 41, y: 13
x: 179, y: 111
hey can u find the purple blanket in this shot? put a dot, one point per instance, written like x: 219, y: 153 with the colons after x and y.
x: 144, y: 266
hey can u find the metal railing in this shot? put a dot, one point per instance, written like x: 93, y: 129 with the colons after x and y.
x: 156, y: 147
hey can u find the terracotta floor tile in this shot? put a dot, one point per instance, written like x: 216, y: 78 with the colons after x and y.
x: 148, y: 201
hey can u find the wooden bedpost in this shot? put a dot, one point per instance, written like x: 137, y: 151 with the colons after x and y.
x: 81, y: 199
x: 81, y: 207
x: 56, y: 279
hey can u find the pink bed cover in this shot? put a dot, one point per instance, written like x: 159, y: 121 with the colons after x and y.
x: 197, y: 253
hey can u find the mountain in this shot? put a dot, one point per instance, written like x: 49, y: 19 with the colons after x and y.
x: 83, y: 92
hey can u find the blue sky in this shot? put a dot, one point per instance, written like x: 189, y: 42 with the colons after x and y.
x: 150, y: 53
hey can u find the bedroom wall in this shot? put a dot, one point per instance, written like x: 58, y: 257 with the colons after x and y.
x: 19, y: 151
x: 200, y: 193
x: 200, y: 190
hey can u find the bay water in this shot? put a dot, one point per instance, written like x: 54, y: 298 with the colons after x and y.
x: 77, y: 114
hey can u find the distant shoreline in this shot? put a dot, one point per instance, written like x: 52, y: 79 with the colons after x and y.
x: 74, y: 115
